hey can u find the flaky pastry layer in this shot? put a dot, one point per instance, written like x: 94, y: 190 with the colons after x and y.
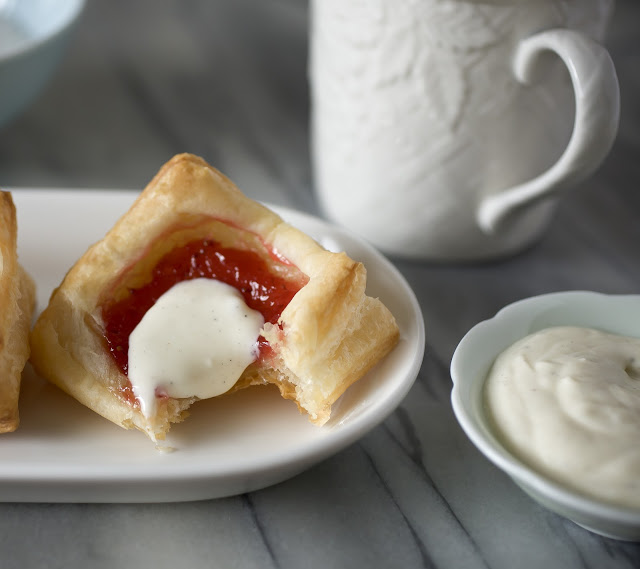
x: 17, y: 301
x: 328, y: 336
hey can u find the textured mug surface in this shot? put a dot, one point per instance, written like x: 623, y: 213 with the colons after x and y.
x: 444, y: 129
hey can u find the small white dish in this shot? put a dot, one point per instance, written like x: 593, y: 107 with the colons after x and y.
x: 63, y: 452
x: 618, y: 314
x: 33, y: 35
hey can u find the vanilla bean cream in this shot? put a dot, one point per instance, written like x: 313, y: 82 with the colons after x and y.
x: 566, y: 400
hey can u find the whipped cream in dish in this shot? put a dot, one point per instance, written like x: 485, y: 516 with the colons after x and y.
x: 566, y: 401
x: 195, y: 341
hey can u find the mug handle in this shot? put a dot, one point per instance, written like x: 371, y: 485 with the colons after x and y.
x: 597, y: 113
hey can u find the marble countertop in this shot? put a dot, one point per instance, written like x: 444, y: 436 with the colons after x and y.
x: 227, y: 80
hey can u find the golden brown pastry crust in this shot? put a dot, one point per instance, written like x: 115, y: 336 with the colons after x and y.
x: 17, y: 300
x: 328, y: 336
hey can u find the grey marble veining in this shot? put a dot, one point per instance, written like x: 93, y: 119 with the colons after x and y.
x: 227, y: 80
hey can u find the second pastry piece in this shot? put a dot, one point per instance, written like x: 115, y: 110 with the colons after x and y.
x: 318, y: 334
x: 17, y: 301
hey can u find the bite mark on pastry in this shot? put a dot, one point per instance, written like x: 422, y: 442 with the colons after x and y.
x: 321, y: 332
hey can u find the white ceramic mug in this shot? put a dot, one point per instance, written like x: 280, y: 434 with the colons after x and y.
x: 446, y: 129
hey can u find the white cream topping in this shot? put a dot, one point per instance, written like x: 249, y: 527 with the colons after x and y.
x: 567, y: 401
x: 195, y: 341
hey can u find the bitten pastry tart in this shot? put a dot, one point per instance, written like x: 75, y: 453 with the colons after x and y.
x: 17, y: 300
x: 198, y: 290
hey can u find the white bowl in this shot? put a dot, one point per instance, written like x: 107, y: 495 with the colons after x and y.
x: 619, y: 314
x: 33, y: 34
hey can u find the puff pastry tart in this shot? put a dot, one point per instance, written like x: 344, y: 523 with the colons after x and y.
x: 17, y: 300
x: 198, y: 290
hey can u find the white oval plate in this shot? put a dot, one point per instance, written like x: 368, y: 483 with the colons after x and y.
x: 63, y: 452
x: 618, y: 314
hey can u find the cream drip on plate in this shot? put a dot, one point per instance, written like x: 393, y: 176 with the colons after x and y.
x: 195, y: 341
x: 566, y: 400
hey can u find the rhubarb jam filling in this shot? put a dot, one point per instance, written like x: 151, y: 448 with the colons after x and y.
x: 266, y: 281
